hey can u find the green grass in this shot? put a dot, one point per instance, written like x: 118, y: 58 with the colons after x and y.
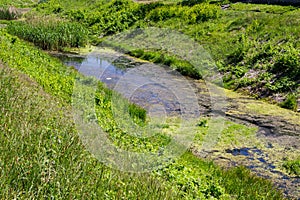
x: 293, y: 167
x: 19, y: 3
x: 9, y: 13
x: 50, y: 33
x: 44, y: 156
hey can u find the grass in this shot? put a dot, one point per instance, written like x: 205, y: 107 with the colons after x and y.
x: 50, y: 33
x: 293, y: 167
x: 9, y: 13
x: 19, y: 3
x: 44, y: 156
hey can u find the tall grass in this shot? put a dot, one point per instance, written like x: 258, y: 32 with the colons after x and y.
x: 19, y: 3
x: 42, y: 156
x: 50, y: 33
x: 9, y: 13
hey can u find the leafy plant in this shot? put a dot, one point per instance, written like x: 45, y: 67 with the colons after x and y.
x: 290, y: 102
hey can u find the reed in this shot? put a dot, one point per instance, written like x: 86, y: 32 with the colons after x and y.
x: 50, y: 34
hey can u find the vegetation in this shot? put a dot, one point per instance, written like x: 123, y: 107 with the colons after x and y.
x: 293, y: 167
x: 42, y: 155
x: 39, y: 127
x: 290, y: 102
x: 50, y: 33
x: 9, y: 13
x: 19, y: 3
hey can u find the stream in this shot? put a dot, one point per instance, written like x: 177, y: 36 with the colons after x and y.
x: 162, y: 91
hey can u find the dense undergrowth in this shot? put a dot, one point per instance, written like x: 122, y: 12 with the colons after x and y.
x: 18, y: 3
x: 43, y: 156
x: 9, y: 13
x: 256, y: 47
x: 51, y: 34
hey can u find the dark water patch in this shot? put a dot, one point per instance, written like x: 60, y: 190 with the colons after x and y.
x: 271, y: 166
x: 262, y: 160
x: 237, y: 152
x: 257, y: 151
x: 270, y: 145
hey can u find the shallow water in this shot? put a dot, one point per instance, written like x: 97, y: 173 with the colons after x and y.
x: 160, y: 90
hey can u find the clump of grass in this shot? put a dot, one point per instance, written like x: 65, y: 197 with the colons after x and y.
x: 290, y: 102
x: 194, y: 14
x: 293, y: 166
x: 50, y: 33
x: 137, y: 113
x: 9, y: 13
x: 182, y: 66
x: 240, y: 177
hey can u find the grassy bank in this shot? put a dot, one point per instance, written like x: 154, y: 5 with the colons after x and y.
x: 43, y: 156
x: 50, y: 33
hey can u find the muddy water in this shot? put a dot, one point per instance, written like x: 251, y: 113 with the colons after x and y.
x: 155, y: 91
